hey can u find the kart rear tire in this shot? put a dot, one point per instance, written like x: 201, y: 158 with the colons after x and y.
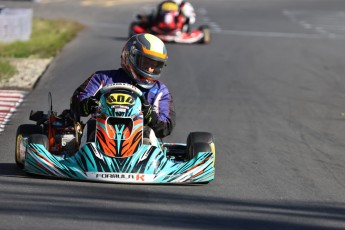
x: 24, y: 131
x: 131, y: 31
x: 194, y: 141
x: 207, y: 34
x: 39, y: 139
x: 91, y: 130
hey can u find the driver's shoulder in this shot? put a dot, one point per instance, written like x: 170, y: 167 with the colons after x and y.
x: 110, y: 74
x: 109, y: 71
x: 159, y: 88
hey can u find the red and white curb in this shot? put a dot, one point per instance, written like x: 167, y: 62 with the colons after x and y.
x: 9, y: 102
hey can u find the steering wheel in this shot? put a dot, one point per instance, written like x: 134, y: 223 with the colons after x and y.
x: 124, y: 86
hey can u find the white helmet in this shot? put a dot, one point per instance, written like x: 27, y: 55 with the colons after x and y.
x: 178, y: 2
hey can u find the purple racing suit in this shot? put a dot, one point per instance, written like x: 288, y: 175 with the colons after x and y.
x: 158, y: 96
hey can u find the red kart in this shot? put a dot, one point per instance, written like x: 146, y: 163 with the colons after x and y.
x: 143, y: 25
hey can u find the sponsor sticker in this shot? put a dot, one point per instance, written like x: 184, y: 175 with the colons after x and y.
x: 120, y: 110
x: 120, y: 177
x: 120, y: 99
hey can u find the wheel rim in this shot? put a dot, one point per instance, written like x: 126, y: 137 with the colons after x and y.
x: 20, y: 150
x: 207, y: 36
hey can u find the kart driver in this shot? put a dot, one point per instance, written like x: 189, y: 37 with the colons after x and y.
x: 142, y: 60
x: 176, y: 14
x: 186, y: 10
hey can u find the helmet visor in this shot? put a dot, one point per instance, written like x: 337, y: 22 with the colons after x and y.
x: 149, y: 65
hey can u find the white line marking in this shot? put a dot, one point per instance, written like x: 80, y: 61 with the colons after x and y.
x: 276, y: 34
x: 332, y: 27
x: 206, y: 19
x: 305, y: 25
x: 321, y: 30
x: 202, y: 11
x: 320, y: 21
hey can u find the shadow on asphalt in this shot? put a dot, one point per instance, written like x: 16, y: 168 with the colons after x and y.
x: 120, y: 38
x: 130, y: 204
x: 10, y: 170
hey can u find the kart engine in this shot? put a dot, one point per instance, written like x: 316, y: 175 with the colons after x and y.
x: 63, y: 131
x: 64, y: 138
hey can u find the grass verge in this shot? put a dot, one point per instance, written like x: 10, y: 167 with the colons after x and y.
x: 48, y: 37
x: 6, y: 70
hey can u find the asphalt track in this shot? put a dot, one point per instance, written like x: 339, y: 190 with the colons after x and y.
x: 271, y: 89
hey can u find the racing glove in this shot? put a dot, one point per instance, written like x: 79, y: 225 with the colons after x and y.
x: 150, y: 116
x: 89, y: 105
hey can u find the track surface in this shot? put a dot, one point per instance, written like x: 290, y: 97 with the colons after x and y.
x: 270, y: 87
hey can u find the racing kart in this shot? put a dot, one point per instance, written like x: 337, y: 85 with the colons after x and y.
x: 144, y: 24
x: 111, y: 146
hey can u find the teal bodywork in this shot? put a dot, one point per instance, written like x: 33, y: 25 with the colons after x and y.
x: 107, y: 158
x: 148, y: 165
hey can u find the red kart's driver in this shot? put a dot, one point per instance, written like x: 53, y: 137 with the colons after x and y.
x: 174, y: 15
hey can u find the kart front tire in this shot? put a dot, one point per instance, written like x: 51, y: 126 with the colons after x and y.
x: 23, y: 132
x: 198, y: 147
x: 39, y: 139
x: 195, y: 138
x: 207, y: 34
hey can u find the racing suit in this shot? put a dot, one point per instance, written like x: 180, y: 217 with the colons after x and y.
x: 187, y: 11
x: 171, y: 16
x: 158, y: 96
x: 167, y: 18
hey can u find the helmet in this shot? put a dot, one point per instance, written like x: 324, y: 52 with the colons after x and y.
x: 178, y: 2
x: 143, y: 58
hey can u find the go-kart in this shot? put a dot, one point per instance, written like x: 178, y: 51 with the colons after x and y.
x: 145, y: 24
x: 111, y: 146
